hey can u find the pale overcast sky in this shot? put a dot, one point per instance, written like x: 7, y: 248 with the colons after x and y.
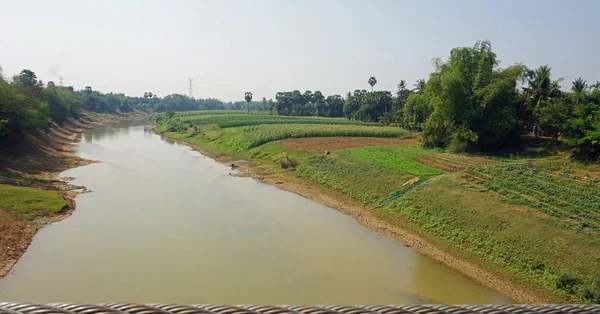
x: 229, y: 47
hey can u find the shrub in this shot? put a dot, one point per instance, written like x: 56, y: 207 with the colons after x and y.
x: 287, y: 163
x: 566, y: 282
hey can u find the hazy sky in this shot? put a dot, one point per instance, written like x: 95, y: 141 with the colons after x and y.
x: 229, y: 47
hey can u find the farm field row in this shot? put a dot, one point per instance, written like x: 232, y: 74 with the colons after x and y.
x: 237, y: 120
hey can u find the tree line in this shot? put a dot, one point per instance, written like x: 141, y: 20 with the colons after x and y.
x: 27, y: 105
x: 469, y: 103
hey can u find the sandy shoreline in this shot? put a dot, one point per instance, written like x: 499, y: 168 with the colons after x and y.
x: 518, y: 292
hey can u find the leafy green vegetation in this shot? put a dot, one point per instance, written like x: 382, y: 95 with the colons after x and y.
x: 475, y: 106
x: 533, y: 247
x: 213, y: 112
x: 253, y: 136
x: 236, y: 120
x: 255, y: 130
x: 367, y: 181
x: 28, y: 106
x: 551, y: 189
x: 395, y: 157
x: 30, y: 203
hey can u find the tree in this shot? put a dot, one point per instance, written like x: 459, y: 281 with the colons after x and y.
x: 284, y: 103
x: 319, y: 104
x: 415, y: 112
x: 59, y: 111
x: 474, y: 103
x: 420, y: 86
x: 353, y: 103
x: 398, y: 103
x: 22, y: 106
x: 539, y: 88
x: 595, y: 86
x: 553, y: 115
x: 28, y: 82
x: 402, y: 93
x: 372, y: 82
x: 579, y: 87
x: 582, y: 131
x: 264, y: 104
x: 373, y: 105
x: 335, y: 106
x: 248, y: 98
x: 88, y: 89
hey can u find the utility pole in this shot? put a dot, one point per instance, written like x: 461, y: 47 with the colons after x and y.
x: 60, y: 80
x: 190, y: 91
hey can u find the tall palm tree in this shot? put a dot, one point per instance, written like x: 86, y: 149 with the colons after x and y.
x: 579, y: 87
x: 538, y: 85
x: 248, y: 98
x: 554, y: 90
x: 402, y: 85
x: 420, y: 86
x: 372, y: 82
x: 402, y: 92
x: 596, y: 86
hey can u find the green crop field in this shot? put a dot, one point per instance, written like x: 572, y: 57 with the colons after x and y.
x: 551, y: 190
x: 237, y: 120
x: 402, y: 158
x: 253, y: 136
x: 214, y: 112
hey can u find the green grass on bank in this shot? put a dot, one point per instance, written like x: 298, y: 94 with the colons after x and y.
x: 30, y: 203
x: 396, y: 157
x: 544, y: 251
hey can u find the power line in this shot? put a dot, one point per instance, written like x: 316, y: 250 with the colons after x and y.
x: 190, y: 91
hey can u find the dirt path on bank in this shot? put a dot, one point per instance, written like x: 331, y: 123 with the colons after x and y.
x: 44, y: 157
x: 516, y: 291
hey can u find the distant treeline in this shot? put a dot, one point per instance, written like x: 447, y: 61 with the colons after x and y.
x: 27, y: 105
x: 177, y: 102
x: 469, y: 103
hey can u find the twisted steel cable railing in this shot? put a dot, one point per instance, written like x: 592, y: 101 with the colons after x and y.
x: 133, y: 308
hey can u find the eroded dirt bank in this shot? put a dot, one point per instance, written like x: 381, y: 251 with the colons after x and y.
x: 44, y: 157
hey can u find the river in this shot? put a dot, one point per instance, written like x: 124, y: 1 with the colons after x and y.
x: 163, y: 223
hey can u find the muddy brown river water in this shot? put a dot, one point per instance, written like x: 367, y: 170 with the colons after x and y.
x: 166, y: 224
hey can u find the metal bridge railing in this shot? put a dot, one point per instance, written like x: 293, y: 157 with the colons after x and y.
x: 133, y: 308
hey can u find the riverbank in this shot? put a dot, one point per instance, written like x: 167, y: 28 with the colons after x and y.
x: 30, y: 170
x: 530, y: 218
x: 269, y: 172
